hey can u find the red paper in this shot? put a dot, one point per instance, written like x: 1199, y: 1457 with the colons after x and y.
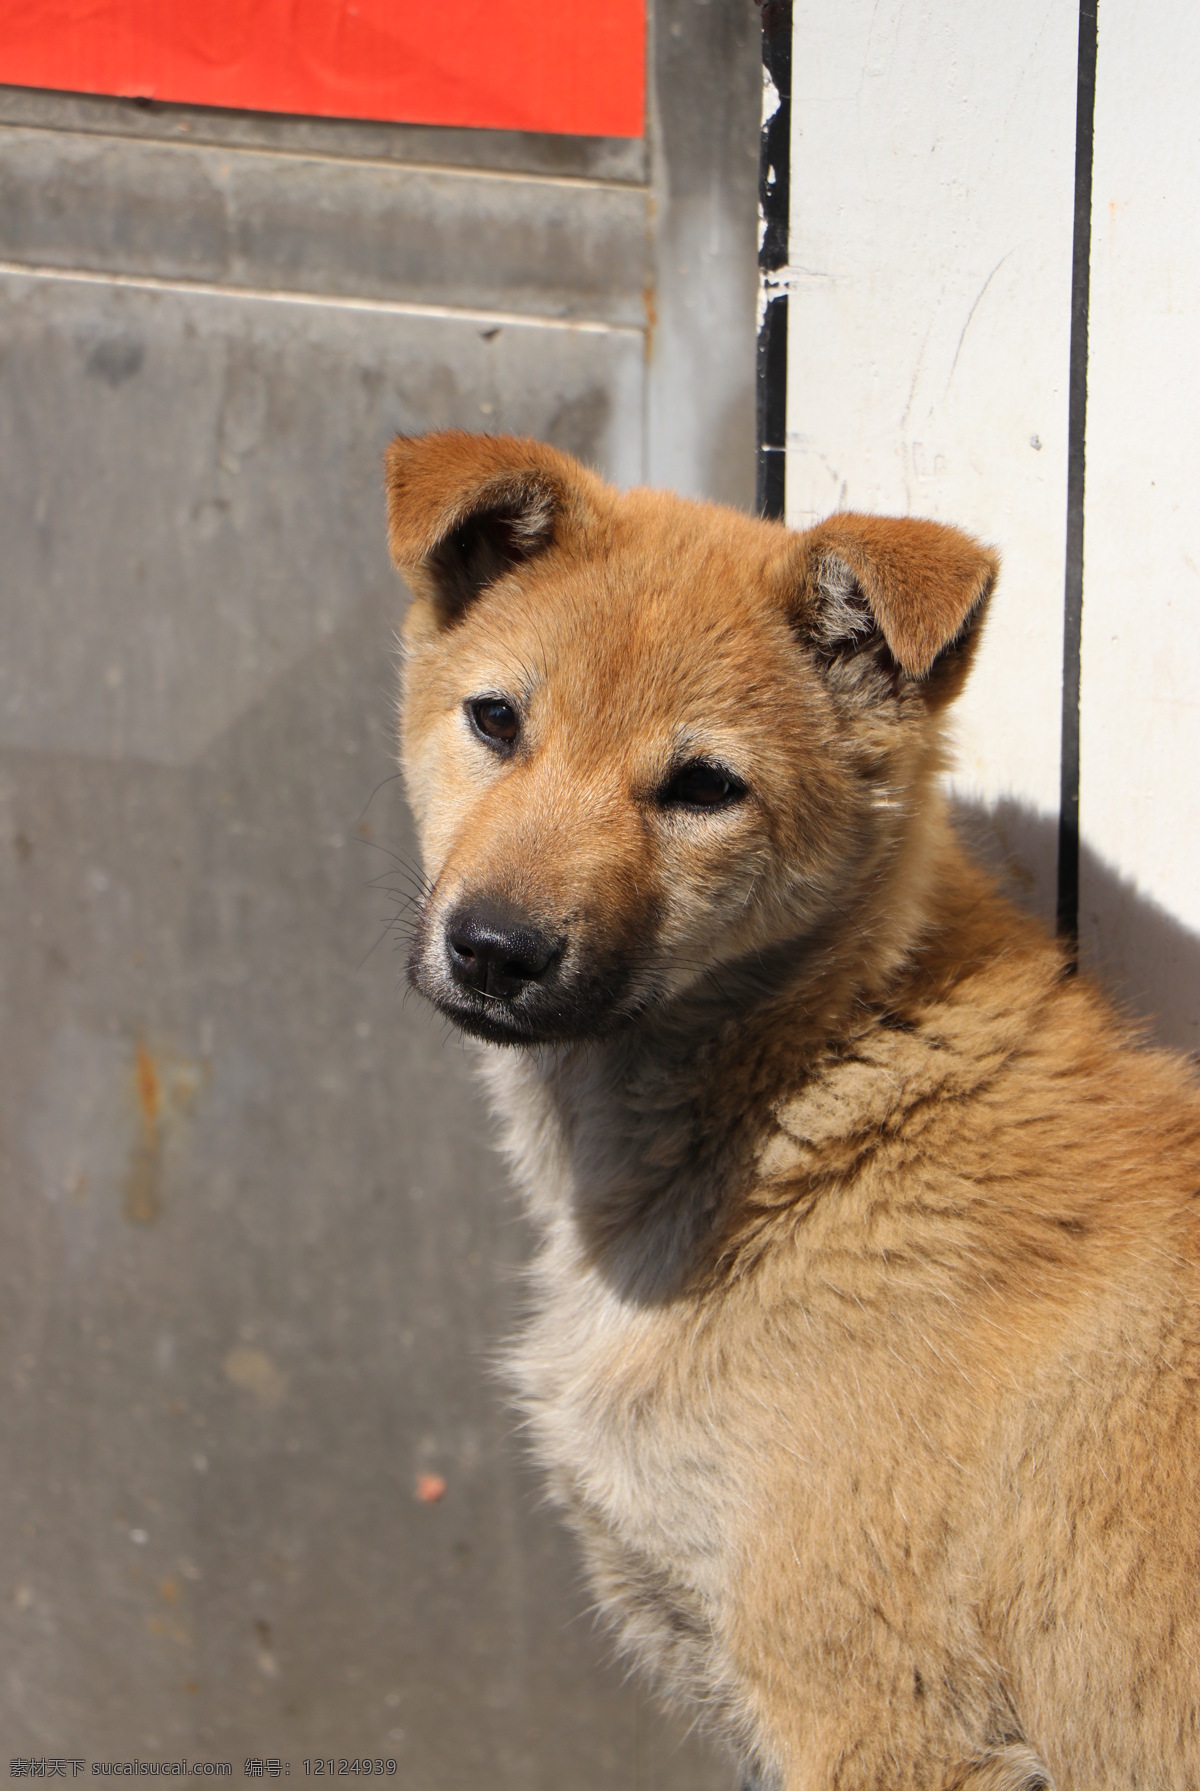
x: 530, y: 65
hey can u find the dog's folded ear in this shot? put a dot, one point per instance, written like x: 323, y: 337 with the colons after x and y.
x: 872, y: 594
x: 465, y: 509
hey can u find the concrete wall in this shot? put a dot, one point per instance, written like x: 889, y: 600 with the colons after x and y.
x: 257, y: 1255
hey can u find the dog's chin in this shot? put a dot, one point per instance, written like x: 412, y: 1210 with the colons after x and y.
x: 560, y: 1020
x: 497, y: 1022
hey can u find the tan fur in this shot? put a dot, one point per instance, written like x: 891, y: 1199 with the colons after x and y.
x: 865, y: 1347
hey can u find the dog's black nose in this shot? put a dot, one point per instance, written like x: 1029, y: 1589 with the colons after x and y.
x: 495, y: 954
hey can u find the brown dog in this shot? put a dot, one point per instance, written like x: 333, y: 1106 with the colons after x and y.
x: 866, y: 1351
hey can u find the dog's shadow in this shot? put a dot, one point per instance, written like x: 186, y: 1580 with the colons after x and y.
x: 1147, y: 961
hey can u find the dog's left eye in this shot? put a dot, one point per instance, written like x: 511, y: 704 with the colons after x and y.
x: 702, y: 785
x: 495, y: 719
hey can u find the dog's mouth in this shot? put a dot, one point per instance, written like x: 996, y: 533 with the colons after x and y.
x: 498, y: 1026
x: 496, y: 1018
x: 506, y: 979
x: 562, y: 1017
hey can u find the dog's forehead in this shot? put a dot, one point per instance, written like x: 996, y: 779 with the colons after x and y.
x: 663, y: 586
x: 701, y: 554
x: 657, y: 617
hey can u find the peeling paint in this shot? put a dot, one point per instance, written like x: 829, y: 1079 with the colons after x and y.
x: 779, y: 282
x: 770, y: 98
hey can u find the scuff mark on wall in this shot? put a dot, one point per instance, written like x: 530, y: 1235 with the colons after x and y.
x: 254, y: 1372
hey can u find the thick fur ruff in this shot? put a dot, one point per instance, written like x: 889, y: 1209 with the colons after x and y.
x: 864, y: 1353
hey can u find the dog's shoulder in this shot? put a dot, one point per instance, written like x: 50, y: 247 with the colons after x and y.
x: 998, y: 1101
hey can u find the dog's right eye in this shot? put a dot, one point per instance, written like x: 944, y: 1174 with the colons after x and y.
x: 495, y: 719
x: 702, y: 784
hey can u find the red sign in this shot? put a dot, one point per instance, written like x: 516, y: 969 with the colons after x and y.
x: 526, y: 65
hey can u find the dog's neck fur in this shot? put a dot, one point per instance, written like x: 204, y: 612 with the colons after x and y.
x: 632, y: 1150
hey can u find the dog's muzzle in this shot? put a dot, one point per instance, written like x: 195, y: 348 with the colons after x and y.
x: 504, y: 975
x: 493, y: 970
x: 491, y: 953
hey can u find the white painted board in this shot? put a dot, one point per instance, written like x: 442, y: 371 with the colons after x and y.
x: 932, y: 191
x: 1140, y: 663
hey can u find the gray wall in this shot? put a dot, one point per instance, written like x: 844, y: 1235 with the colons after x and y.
x: 257, y: 1254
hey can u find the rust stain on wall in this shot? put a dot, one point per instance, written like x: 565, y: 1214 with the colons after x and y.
x: 143, y: 1196
x: 160, y: 1092
x: 650, y: 307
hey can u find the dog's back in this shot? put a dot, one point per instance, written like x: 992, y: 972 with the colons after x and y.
x: 865, y: 1352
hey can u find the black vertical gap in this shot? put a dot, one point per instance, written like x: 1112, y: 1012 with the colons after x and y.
x: 1068, y: 811
x: 774, y: 158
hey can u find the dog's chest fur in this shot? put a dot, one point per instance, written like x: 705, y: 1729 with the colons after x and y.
x: 616, y: 1379
x: 658, y: 1380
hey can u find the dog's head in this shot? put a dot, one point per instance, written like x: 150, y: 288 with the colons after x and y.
x: 649, y: 742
